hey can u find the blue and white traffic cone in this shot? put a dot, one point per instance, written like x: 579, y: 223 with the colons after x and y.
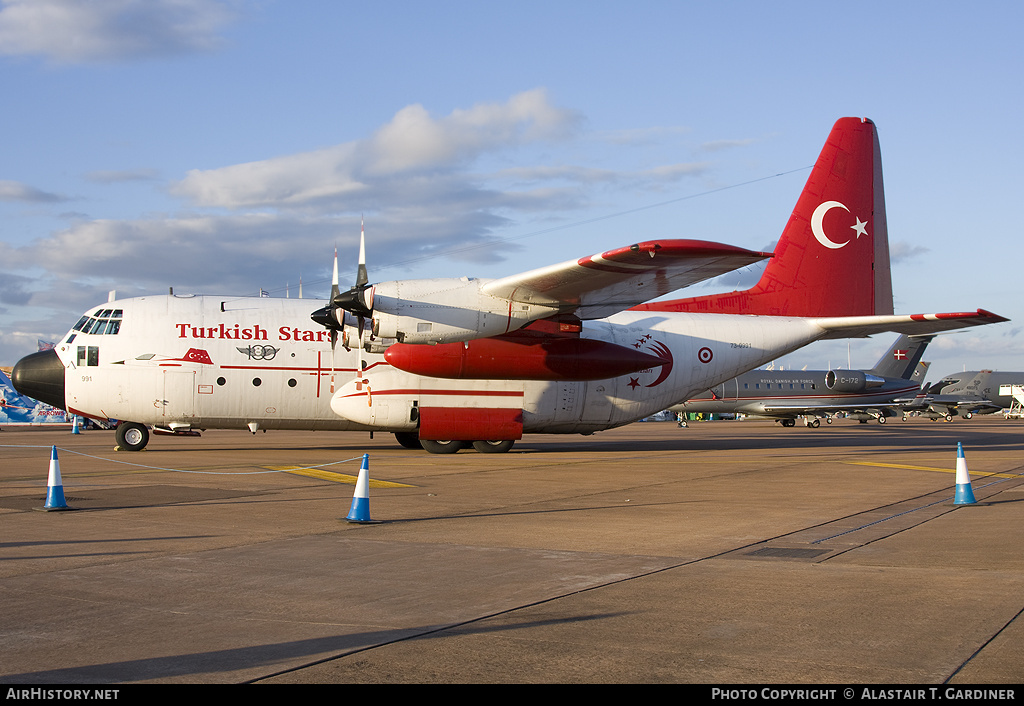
x: 54, y: 485
x: 74, y: 425
x: 964, y: 493
x: 360, y: 512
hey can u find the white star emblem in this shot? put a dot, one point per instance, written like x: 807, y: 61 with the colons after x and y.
x: 861, y: 227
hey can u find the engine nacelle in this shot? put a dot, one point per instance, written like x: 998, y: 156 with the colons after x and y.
x: 851, y: 380
x: 446, y: 311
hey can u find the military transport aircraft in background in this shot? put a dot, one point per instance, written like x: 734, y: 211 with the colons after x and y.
x: 967, y: 394
x: 444, y: 363
x: 787, y: 395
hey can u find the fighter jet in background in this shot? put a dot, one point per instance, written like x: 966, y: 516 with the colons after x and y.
x: 967, y: 394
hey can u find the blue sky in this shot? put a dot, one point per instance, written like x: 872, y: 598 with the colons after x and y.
x: 224, y: 146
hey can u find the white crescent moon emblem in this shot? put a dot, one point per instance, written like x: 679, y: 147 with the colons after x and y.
x: 818, y: 216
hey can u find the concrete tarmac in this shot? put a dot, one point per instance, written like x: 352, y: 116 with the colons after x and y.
x: 723, y: 553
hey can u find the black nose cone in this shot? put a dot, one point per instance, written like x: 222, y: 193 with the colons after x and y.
x: 41, y: 377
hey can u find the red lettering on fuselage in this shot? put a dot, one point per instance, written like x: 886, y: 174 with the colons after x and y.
x: 294, y: 334
x: 235, y: 332
x: 223, y: 332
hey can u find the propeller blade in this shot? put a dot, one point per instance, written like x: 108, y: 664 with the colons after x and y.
x: 361, y: 277
x: 352, y: 300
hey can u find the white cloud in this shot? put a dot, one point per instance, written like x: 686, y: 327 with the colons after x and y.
x: 16, y: 191
x: 237, y: 254
x: 74, y: 31
x: 401, y: 160
x: 415, y: 141
x: 901, y: 252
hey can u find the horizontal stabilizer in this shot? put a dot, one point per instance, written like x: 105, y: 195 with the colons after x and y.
x: 860, y: 326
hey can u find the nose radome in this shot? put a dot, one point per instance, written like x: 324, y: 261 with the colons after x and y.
x: 41, y: 377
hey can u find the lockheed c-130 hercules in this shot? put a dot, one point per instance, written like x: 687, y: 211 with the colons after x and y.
x: 444, y: 363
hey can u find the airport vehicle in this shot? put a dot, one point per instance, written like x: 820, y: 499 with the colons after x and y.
x: 967, y: 394
x: 444, y: 363
x: 788, y: 395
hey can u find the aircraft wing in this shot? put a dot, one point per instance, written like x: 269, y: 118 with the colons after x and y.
x: 860, y: 326
x: 956, y: 402
x: 812, y: 409
x: 600, y: 285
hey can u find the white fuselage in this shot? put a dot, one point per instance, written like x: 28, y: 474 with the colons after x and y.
x: 217, y: 362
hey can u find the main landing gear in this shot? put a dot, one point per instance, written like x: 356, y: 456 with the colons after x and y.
x: 131, y: 436
x: 412, y: 441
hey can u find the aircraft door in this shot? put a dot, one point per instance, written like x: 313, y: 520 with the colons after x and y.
x: 178, y: 394
x: 728, y: 391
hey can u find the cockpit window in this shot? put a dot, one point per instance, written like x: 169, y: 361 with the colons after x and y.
x: 102, y: 322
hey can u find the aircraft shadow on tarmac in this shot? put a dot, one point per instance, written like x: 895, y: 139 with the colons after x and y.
x: 269, y: 655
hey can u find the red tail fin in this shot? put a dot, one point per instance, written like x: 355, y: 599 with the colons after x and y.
x: 833, y: 256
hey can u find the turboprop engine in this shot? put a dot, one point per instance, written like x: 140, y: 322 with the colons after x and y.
x: 444, y: 311
x: 441, y: 310
x: 851, y: 380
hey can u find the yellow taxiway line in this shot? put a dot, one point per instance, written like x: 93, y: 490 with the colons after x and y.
x: 928, y: 468
x: 335, y: 477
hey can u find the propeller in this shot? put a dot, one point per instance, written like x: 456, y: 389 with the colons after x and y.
x: 352, y: 300
x: 326, y: 316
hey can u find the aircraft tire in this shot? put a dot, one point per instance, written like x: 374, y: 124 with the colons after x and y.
x: 881, y: 420
x: 132, y: 436
x: 440, y: 447
x: 815, y: 423
x: 493, y: 447
x: 949, y: 417
x: 408, y: 440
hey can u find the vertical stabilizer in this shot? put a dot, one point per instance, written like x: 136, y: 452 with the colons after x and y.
x: 833, y: 256
x: 902, y: 358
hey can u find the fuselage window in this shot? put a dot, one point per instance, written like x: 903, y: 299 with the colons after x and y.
x: 88, y: 355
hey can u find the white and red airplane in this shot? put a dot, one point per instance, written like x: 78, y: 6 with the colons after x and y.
x: 444, y: 363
